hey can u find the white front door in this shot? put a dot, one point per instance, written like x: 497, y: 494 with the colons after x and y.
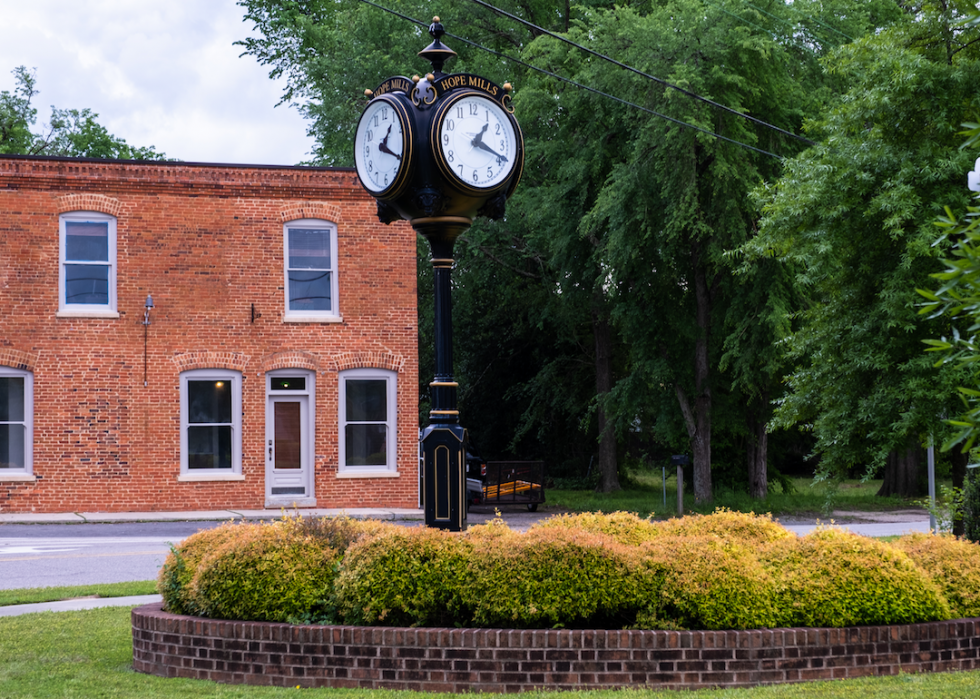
x: 289, y: 440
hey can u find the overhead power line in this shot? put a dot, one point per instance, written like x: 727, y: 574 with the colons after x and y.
x: 580, y: 85
x: 648, y: 76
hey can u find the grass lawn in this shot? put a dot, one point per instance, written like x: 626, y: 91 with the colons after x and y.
x: 644, y: 495
x: 88, y: 655
x: 32, y: 595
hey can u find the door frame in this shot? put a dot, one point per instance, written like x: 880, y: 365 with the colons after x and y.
x: 308, y: 436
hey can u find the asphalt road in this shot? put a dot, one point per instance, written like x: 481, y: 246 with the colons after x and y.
x: 46, y: 555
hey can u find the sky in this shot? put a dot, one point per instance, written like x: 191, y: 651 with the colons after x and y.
x: 162, y: 73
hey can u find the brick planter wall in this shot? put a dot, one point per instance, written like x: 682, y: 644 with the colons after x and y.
x: 500, y: 660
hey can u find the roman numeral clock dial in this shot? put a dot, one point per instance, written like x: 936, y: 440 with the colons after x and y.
x: 477, y: 141
x: 382, y: 146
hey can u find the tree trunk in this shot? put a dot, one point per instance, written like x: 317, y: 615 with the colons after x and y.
x: 902, y: 473
x: 608, y: 468
x: 757, y: 452
x: 701, y: 441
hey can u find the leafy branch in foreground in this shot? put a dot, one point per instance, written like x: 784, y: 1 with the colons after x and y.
x: 959, y: 299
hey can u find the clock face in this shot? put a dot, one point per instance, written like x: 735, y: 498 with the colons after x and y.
x: 381, y: 146
x: 477, y: 141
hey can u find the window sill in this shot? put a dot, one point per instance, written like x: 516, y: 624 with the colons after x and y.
x: 199, y: 477
x: 86, y: 314
x: 309, y: 318
x: 369, y: 474
x: 17, y: 478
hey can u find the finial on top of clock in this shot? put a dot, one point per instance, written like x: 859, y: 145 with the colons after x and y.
x: 437, y: 53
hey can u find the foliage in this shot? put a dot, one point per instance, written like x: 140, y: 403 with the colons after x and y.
x: 851, y: 218
x: 953, y: 564
x: 624, y: 527
x: 708, y: 583
x: 971, y: 505
x: 747, y: 529
x: 834, y: 578
x: 556, y: 577
x: 555, y: 350
x: 180, y: 567
x: 266, y: 572
x: 70, y: 132
x: 403, y: 577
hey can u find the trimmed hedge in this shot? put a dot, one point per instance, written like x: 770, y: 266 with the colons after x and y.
x: 832, y: 577
x: 722, y: 571
x: 953, y: 564
x: 746, y: 528
x: 266, y: 573
x: 708, y: 583
x: 624, y: 527
x: 554, y: 577
x: 178, y: 570
x: 402, y: 577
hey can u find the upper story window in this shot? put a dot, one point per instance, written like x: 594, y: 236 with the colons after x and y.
x: 16, y: 421
x: 368, y: 430
x: 210, y: 422
x: 87, y: 273
x: 311, y: 271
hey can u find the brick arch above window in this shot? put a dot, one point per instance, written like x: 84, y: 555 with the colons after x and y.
x: 320, y: 210
x: 367, y: 360
x: 89, y: 202
x: 289, y: 359
x: 206, y: 359
x: 16, y: 359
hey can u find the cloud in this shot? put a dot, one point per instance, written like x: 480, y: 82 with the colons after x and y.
x: 164, y: 73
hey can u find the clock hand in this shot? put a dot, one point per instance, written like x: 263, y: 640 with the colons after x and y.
x: 383, y: 146
x: 488, y: 149
x: 478, y: 138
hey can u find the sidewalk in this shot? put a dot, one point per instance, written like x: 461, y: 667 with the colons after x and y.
x: 205, y: 515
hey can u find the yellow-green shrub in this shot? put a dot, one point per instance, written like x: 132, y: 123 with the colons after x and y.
x: 624, y: 527
x: 403, y: 577
x: 708, y: 583
x: 832, y: 577
x: 267, y: 572
x: 953, y: 564
x: 554, y: 576
x: 746, y: 528
x: 178, y: 570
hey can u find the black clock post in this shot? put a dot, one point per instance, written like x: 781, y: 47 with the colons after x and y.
x: 438, y: 151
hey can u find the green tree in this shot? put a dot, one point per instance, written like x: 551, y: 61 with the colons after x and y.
x: 70, y: 132
x: 852, y: 216
x: 618, y: 308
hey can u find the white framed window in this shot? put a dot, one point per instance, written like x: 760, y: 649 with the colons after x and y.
x: 210, y: 424
x: 87, y: 265
x: 368, y: 428
x: 16, y: 423
x: 310, y: 256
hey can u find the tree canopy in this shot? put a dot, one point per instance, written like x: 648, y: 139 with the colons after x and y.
x: 854, y: 217
x: 70, y: 132
x: 631, y: 296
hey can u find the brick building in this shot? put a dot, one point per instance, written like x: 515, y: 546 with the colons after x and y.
x: 279, y: 363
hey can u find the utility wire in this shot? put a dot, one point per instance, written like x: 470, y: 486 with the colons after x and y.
x: 655, y: 79
x: 580, y: 85
x: 785, y: 21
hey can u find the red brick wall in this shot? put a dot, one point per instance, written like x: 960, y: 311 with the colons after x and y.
x: 207, y: 242
x: 502, y: 660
